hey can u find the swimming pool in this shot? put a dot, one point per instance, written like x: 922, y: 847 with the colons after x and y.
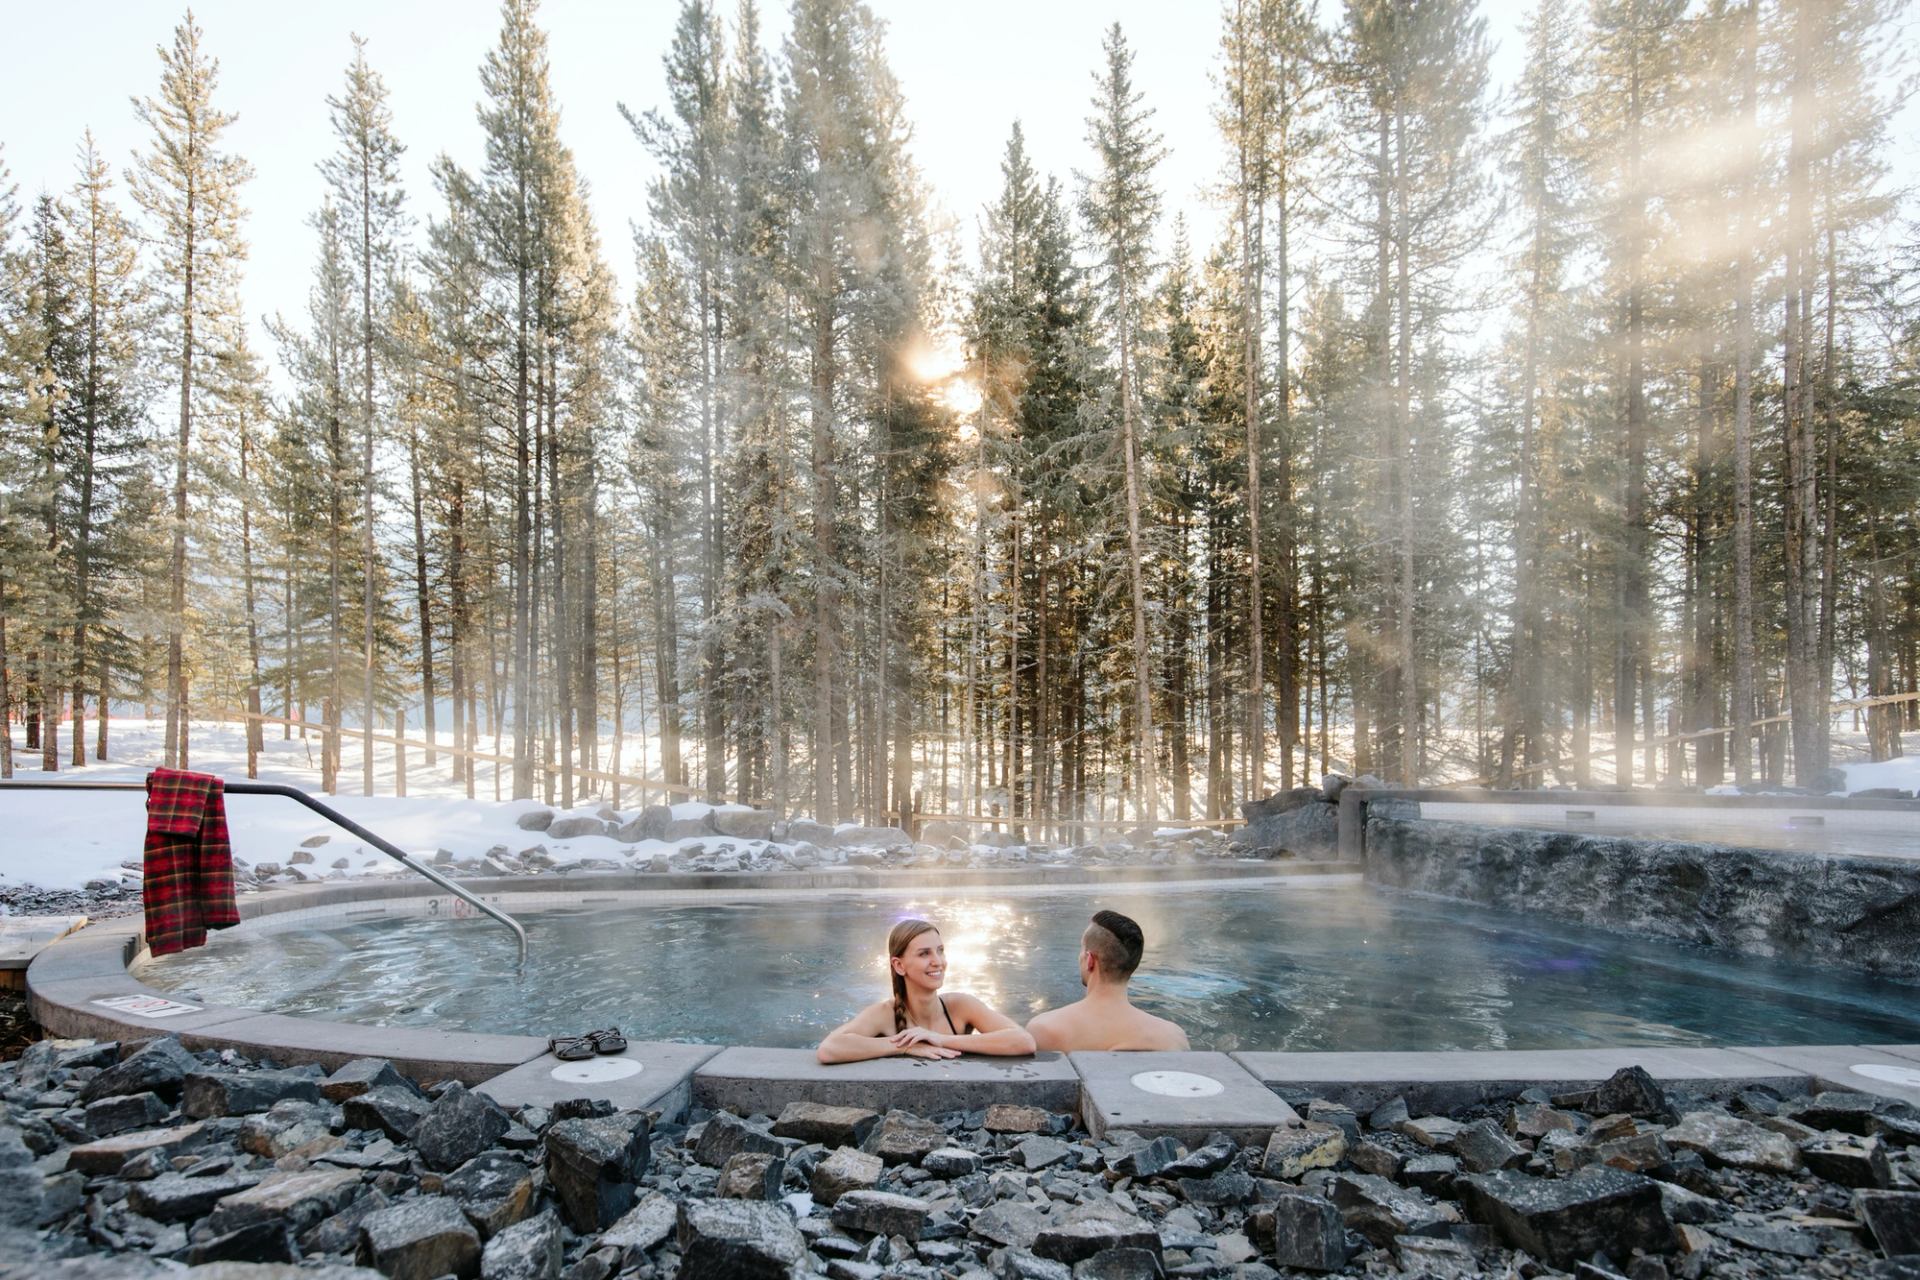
x: 1267, y: 965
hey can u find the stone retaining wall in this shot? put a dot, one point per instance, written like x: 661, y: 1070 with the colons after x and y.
x: 1850, y: 912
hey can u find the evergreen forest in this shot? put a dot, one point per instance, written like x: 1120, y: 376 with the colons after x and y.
x: 1063, y: 509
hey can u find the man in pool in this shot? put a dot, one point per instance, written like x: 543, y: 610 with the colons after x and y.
x: 1104, y: 1018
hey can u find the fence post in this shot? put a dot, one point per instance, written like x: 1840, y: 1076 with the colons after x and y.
x: 1351, y: 824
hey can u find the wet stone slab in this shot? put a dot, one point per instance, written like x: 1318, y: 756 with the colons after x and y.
x: 1182, y: 1095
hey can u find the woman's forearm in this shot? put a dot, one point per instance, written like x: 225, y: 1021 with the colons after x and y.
x: 844, y: 1046
x: 1008, y: 1042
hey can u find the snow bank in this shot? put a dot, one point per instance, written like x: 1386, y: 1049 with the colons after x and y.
x: 1903, y: 773
x: 61, y: 841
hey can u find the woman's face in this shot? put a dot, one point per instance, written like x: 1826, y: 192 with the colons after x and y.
x: 924, y: 963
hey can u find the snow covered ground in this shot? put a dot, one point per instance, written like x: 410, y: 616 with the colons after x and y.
x: 1903, y: 773
x: 56, y: 841
x: 60, y: 841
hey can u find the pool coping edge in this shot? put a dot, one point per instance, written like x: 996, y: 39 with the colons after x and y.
x: 67, y: 979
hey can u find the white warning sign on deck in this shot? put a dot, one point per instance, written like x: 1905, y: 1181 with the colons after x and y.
x: 148, y: 1006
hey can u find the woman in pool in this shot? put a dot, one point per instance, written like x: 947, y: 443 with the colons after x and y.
x: 919, y: 1022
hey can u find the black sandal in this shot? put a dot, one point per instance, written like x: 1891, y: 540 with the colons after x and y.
x: 608, y: 1041
x: 571, y: 1048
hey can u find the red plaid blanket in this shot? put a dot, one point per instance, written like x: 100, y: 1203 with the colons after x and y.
x: 188, y: 885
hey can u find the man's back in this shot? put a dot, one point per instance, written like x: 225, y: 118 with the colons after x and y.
x: 1092, y: 1024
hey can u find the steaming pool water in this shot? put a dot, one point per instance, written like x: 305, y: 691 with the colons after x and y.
x: 1285, y: 966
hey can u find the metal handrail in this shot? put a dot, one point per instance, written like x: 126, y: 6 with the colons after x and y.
x: 326, y: 811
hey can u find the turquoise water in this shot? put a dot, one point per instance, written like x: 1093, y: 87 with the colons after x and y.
x: 1255, y: 965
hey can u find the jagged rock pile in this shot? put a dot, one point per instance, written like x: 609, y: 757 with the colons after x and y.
x: 99, y: 900
x: 122, y: 1160
x: 1302, y: 822
x: 733, y: 840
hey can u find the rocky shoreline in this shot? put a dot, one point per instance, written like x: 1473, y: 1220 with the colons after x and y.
x: 130, y: 1160
x: 100, y: 900
x: 751, y: 840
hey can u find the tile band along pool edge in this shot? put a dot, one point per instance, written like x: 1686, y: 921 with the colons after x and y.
x: 67, y: 980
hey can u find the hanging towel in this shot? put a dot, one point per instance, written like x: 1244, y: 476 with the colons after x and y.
x: 188, y: 884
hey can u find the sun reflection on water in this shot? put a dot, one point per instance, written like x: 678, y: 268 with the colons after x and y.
x: 979, y: 946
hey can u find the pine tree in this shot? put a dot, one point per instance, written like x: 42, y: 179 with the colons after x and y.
x: 1416, y: 74
x: 190, y: 190
x: 105, y: 407
x: 854, y: 262
x: 363, y: 176
x: 762, y: 565
x: 24, y: 408
x: 1121, y: 206
x: 690, y: 206
x: 1541, y: 167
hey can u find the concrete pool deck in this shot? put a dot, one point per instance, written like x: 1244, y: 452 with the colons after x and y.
x: 80, y: 986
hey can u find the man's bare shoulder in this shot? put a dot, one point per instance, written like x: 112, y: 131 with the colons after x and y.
x: 1166, y: 1035
x: 1054, y: 1028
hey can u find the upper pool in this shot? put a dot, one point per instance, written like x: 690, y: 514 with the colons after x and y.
x: 1268, y: 965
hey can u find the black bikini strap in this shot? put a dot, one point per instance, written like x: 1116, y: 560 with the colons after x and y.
x: 948, y: 1016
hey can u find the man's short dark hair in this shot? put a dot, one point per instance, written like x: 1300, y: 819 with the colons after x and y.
x: 1116, y: 942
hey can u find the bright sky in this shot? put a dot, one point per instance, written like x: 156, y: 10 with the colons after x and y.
x: 967, y: 71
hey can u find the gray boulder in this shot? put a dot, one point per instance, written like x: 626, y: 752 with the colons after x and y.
x: 574, y: 828
x: 904, y: 1138
x: 1630, y: 1091
x: 534, y: 820
x: 1723, y: 1140
x: 297, y: 1199
x: 688, y: 828
x: 420, y: 1240
x: 160, y: 1067
x: 1893, y: 1217
x: 1859, y: 1162
x: 644, y: 1226
x: 174, y: 1197
x: 1484, y: 1147
x: 109, y: 1116
x: 1564, y: 1220
x: 592, y: 1166
x: 843, y: 1171
x: 109, y: 1154
x: 881, y: 1213
x: 206, y: 1094
x: 650, y: 824
x: 827, y: 1125
x: 494, y: 1189
x: 351, y: 1079
x: 727, y: 1135
x: 529, y: 1250
x: 740, y: 1240
x: 459, y: 1127
x: 1012, y: 1223
x: 1146, y: 1159
x: 1301, y: 1231
x: 751, y: 1175
x: 390, y: 1109
x: 1293, y: 1150
x: 1379, y: 1210
x: 1093, y: 1229
x: 1298, y: 822
x: 744, y: 824
x: 807, y: 831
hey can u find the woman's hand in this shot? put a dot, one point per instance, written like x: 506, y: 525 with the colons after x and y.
x: 932, y: 1052
x: 917, y: 1035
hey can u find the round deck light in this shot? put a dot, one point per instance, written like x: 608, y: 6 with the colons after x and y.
x: 596, y: 1070
x: 1177, y: 1084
